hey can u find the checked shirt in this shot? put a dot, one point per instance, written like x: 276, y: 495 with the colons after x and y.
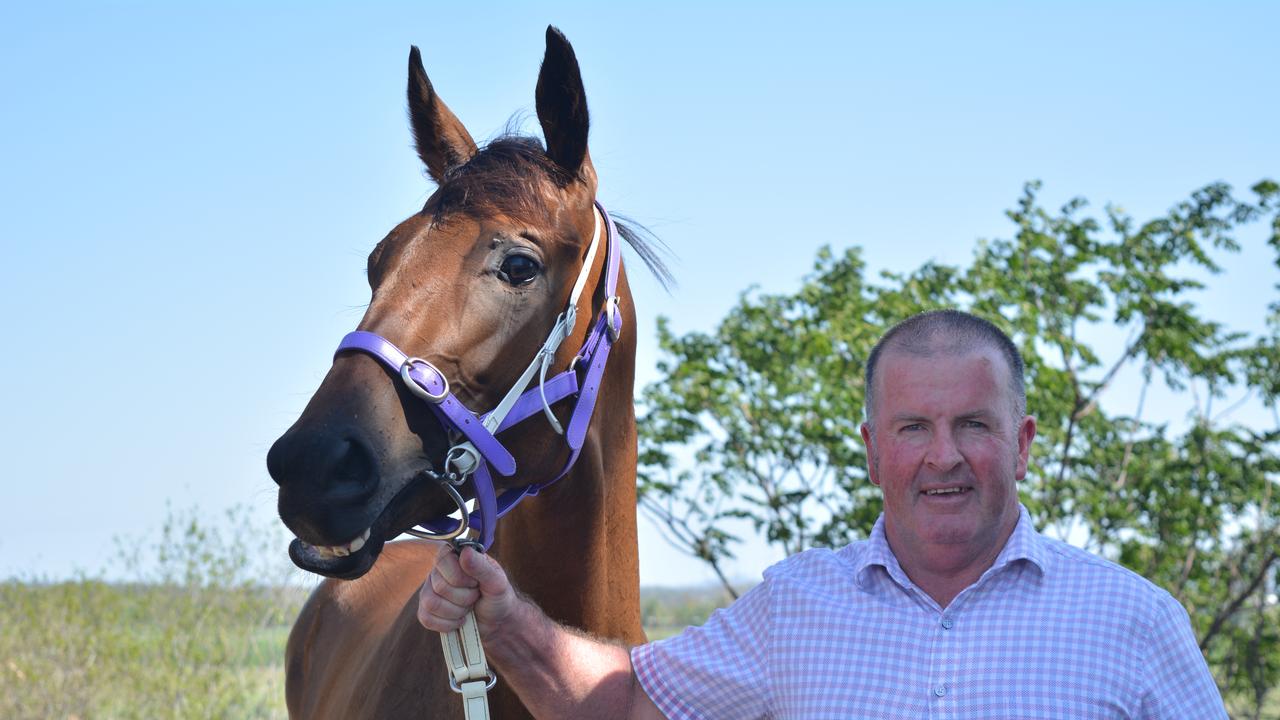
x: 1049, y: 631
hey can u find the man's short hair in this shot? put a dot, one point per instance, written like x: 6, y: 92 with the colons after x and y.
x: 947, y: 332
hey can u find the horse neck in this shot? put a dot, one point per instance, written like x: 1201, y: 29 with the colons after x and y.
x: 573, y: 549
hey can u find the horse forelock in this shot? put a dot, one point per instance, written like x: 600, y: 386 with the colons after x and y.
x: 513, y: 176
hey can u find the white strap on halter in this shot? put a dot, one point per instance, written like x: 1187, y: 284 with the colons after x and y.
x: 469, y: 672
x: 465, y: 456
x: 560, y: 331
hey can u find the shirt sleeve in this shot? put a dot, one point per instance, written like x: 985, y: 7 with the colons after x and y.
x: 1178, y: 681
x: 717, y: 670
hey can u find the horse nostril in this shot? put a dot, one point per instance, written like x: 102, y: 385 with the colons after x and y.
x: 324, y: 466
x: 352, y: 477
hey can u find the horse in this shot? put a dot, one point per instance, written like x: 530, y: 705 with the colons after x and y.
x: 471, y: 284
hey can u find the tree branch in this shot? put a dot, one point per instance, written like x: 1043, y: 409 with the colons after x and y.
x: 1234, y: 606
x: 1091, y: 403
x: 1137, y: 419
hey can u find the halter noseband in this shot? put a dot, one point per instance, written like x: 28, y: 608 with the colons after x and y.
x: 480, y: 451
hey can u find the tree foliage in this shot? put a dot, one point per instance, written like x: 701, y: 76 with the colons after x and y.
x: 757, y: 421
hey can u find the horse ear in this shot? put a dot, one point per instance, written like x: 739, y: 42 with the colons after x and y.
x: 443, y: 143
x: 562, y: 105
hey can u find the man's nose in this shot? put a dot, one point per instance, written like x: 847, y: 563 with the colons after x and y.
x: 943, y: 455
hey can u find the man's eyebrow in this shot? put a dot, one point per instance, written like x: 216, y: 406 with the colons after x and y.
x: 980, y: 413
x: 985, y: 414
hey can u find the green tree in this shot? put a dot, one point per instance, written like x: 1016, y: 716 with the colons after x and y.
x: 757, y: 422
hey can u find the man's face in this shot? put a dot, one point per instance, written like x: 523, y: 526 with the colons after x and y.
x: 947, y: 452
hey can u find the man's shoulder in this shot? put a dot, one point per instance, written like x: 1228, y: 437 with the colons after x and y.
x: 818, y: 562
x: 1091, y: 575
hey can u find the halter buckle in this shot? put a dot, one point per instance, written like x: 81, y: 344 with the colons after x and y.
x: 490, y: 681
x: 414, y: 387
x: 610, y: 315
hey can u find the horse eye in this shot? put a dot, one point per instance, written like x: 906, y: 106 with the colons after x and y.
x: 519, y: 269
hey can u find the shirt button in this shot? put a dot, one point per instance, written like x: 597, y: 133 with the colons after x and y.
x: 947, y: 623
x: 940, y: 690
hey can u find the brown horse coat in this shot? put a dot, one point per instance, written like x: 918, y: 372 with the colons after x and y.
x: 441, y: 290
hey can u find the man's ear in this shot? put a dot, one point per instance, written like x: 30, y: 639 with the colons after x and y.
x: 1026, y: 433
x: 443, y: 143
x: 873, y: 462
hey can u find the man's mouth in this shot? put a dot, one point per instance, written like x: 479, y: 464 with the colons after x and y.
x: 947, y: 491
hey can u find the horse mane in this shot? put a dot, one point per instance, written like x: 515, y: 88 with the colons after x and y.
x: 496, y: 180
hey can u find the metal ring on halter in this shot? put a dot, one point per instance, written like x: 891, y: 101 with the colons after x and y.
x: 415, y: 388
x: 459, y: 543
x: 488, y: 685
x: 456, y: 453
x: 611, y: 310
x: 464, y: 523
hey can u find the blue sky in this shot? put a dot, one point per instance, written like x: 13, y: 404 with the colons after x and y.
x: 188, y: 191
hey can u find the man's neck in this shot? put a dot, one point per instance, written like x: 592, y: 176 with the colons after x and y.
x: 943, y: 571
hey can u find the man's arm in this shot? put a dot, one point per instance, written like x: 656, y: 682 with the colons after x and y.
x: 1179, y: 682
x: 557, y: 672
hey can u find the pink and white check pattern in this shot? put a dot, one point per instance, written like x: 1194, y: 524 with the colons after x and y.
x: 1050, y: 631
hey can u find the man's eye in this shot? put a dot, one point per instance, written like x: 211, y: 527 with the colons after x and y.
x: 519, y: 269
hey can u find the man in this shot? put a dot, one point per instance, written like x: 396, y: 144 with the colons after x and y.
x: 954, y: 607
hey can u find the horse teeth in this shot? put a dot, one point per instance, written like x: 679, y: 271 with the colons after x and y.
x: 336, y: 551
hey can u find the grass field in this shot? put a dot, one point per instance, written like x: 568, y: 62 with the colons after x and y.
x: 192, y: 632
x: 89, y: 649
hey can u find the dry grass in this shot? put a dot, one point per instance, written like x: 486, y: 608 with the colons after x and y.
x: 89, y: 649
x: 193, y: 633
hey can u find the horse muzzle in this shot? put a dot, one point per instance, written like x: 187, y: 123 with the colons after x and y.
x: 343, y: 497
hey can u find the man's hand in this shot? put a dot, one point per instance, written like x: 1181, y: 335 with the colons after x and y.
x: 556, y: 672
x: 459, y: 583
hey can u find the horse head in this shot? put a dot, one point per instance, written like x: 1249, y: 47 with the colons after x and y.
x: 473, y: 285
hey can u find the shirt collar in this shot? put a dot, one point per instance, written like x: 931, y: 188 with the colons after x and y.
x: 1023, y: 544
x: 877, y: 553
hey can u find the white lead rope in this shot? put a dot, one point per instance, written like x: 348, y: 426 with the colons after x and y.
x: 469, y: 672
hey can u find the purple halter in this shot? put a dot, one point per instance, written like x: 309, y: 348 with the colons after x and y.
x: 580, y: 380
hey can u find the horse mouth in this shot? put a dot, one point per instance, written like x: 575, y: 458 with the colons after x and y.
x: 344, y: 563
x: 354, y: 558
